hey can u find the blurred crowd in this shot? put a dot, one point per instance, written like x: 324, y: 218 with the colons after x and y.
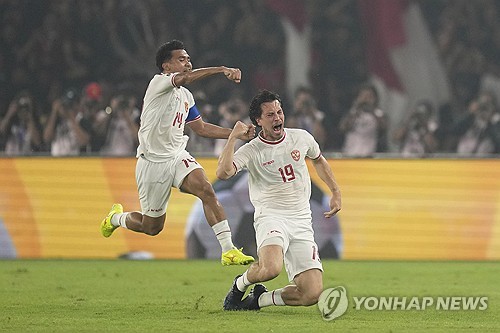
x: 73, y: 74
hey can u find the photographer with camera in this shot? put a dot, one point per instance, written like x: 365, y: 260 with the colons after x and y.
x: 307, y: 116
x: 365, y: 125
x: 20, y: 132
x: 416, y: 138
x: 478, y: 132
x: 118, y: 125
x: 67, y: 130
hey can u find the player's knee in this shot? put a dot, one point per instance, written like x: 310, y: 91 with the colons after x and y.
x: 153, y: 227
x: 153, y: 230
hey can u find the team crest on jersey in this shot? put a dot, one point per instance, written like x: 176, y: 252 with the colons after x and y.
x: 186, y: 106
x: 295, y: 154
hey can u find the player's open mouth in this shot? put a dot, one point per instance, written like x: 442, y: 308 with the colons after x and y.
x: 277, y: 128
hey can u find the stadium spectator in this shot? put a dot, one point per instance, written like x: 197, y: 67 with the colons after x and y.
x: 230, y: 112
x: 416, y: 137
x: 490, y: 81
x: 91, y: 104
x: 478, y: 131
x: 365, y: 125
x: 67, y: 131
x: 48, y: 45
x: 119, y: 124
x: 280, y: 190
x: 20, y: 130
x: 306, y: 115
x: 162, y: 160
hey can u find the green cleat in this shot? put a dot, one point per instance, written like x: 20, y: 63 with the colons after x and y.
x: 106, y: 227
x: 235, y: 257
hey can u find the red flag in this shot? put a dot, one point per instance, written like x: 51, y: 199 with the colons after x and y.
x: 384, y: 30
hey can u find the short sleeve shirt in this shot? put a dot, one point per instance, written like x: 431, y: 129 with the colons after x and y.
x: 279, y: 180
x: 166, y: 110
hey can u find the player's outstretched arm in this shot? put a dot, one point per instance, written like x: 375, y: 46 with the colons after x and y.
x: 185, y: 78
x: 212, y: 131
x: 208, y: 130
x: 225, y: 167
x: 325, y: 172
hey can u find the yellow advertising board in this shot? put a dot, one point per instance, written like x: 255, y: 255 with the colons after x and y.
x: 392, y: 209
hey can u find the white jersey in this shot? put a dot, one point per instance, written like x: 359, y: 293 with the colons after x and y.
x: 279, y: 181
x: 166, y: 110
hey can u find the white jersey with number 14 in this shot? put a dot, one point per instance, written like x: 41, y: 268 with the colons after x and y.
x: 279, y: 181
x: 166, y: 110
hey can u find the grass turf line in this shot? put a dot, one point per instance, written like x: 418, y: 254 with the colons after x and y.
x: 186, y: 296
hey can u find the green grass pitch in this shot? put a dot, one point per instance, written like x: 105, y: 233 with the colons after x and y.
x: 186, y: 296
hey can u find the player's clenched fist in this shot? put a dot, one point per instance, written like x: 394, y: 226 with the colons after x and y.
x: 233, y: 74
x: 250, y: 134
x: 242, y: 131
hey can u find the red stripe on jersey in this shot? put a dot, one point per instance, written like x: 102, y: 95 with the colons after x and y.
x: 199, y: 116
x: 320, y: 154
x: 172, y: 80
x: 272, y: 142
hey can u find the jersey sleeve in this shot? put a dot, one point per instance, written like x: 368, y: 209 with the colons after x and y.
x: 242, y: 157
x: 313, y: 151
x: 163, y: 83
x: 193, y: 114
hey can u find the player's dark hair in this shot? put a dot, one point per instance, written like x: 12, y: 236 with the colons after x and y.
x: 164, y: 52
x: 263, y: 96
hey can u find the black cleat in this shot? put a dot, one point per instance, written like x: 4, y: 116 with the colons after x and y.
x: 251, y: 302
x: 232, y: 302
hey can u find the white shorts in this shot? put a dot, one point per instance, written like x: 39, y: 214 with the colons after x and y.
x: 300, y: 251
x: 156, y: 179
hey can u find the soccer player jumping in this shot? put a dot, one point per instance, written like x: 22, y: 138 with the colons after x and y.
x: 162, y: 160
x: 280, y: 190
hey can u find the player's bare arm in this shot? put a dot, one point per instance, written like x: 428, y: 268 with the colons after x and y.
x: 325, y: 172
x: 212, y: 131
x: 225, y: 168
x: 190, y: 76
x: 208, y: 130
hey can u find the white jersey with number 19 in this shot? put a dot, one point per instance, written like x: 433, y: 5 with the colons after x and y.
x: 279, y: 181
